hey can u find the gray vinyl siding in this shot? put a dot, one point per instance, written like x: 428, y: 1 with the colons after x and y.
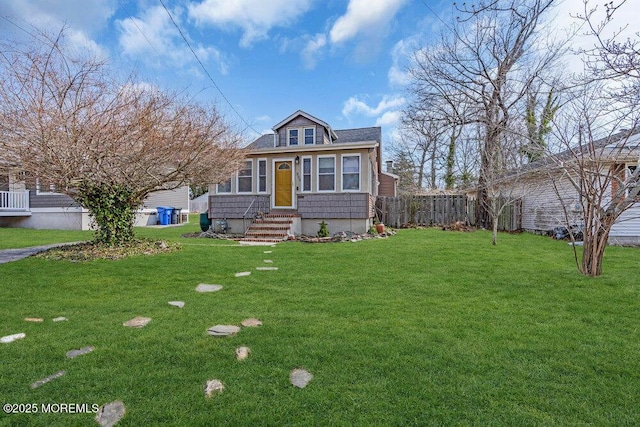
x: 178, y: 198
x: 50, y: 200
x: 336, y: 206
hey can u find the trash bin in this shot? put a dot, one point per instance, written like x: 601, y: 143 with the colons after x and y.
x: 177, y: 212
x: 205, y: 222
x: 174, y: 216
x: 164, y: 215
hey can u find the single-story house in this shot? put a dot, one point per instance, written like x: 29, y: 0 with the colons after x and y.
x: 24, y: 203
x: 307, y: 172
x: 615, y: 158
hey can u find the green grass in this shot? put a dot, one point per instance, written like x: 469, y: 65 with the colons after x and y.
x: 424, y: 328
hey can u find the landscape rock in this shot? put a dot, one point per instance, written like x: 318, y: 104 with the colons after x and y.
x: 268, y: 252
x: 60, y: 319
x: 300, y: 377
x: 242, y: 353
x: 213, y: 386
x: 266, y: 268
x: 202, y: 287
x: 251, y: 323
x: 243, y: 273
x: 223, y: 330
x: 11, y: 338
x: 109, y: 414
x: 178, y: 304
x: 33, y: 319
x: 137, y: 322
x: 75, y: 353
x: 47, y: 379
x: 268, y: 261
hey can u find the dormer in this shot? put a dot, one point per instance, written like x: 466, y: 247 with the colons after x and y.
x: 302, y: 129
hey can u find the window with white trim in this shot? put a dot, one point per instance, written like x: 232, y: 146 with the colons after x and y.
x: 262, y: 176
x: 326, y: 173
x: 309, y: 136
x: 351, y: 173
x: 245, y: 178
x: 292, y: 136
x: 224, y: 187
x: 306, y: 174
x: 632, y: 181
x: 45, y: 189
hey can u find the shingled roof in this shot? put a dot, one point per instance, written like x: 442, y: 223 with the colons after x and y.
x: 344, y: 136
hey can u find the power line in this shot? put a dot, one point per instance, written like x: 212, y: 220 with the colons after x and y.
x: 205, y: 70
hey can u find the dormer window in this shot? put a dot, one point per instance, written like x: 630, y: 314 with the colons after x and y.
x: 293, y: 136
x: 309, y: 136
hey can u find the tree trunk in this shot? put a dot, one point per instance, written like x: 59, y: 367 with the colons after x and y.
x: 495, y: 230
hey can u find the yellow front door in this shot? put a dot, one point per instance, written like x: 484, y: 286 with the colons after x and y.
x: 283, y: 185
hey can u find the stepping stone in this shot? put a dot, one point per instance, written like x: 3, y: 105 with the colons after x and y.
x: 242, y: 353
x: 11, y: 338
x: 243, y: 273
x: 75, y: 353
x: 47, y: 379
x: 266, y: 268
x: 137, y: 322
x: 223, y: 330
x: 109, y: 414
x: 268, y: 261
x: 202, y: 287
x: 33, y: 319
x: 213, y: 386
x: 60, y: 319
x: 178, y: 304
x: 251, y: 323
x: 267, y: 252
x: 300, y: 378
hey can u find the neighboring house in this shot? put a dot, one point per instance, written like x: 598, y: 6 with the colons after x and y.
x: 25, y: 203
x: 309, y: 172
x: 543, y: 210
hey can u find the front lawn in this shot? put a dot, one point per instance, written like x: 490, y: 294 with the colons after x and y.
x: 423, y: 328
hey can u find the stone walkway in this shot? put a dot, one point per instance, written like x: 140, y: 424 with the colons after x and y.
x: 8, y: 255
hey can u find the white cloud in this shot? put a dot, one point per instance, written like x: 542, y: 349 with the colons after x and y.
x: 254, y: 17
x: 400, y: 55
x: 389, y: 118
x: 354, y: 106
x: 313, y: 51
x: 154, y: 38
x: 364, y: 17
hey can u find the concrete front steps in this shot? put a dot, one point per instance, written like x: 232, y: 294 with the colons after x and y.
x: 271, y: 228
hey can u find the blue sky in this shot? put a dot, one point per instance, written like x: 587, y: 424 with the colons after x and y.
x: 340, y: 60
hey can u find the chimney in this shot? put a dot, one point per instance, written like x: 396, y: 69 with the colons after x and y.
x: 389, y: 166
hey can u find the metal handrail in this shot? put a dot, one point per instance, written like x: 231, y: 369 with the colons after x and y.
x: 244, y: 215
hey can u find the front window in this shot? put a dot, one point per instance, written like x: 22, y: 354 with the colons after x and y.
x: 306, y: 174
x: 309, y: 136
x: 262, y: 176
x: 224, y: 187
x: 245, y: 178
x: 351, y: 173
x: 326, y: 173
x: 293, y: 136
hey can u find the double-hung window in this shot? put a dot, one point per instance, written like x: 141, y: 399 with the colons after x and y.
x: 309, y: 136
x: 245, y: 179
x: 326, y: 173
x: 293, y: 136
x: 262, y: 176
x: 224, y: 187
x: 351, y: 173
x: 306, y: 174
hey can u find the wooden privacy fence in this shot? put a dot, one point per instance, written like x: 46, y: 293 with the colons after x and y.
x: 439, y: 210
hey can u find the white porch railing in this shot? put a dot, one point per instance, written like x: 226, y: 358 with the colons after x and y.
x: 14, y: 200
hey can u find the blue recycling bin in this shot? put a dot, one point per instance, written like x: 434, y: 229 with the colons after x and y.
x: 164, y: 215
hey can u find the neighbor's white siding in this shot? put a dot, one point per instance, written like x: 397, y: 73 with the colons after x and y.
x: 178, y: 198
x: 542, y: 210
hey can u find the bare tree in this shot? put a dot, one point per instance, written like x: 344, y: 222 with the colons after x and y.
x: 106, y: 144
x: 486, y: 62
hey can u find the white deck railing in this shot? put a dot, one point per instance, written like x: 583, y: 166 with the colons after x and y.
x: 14, y: 200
